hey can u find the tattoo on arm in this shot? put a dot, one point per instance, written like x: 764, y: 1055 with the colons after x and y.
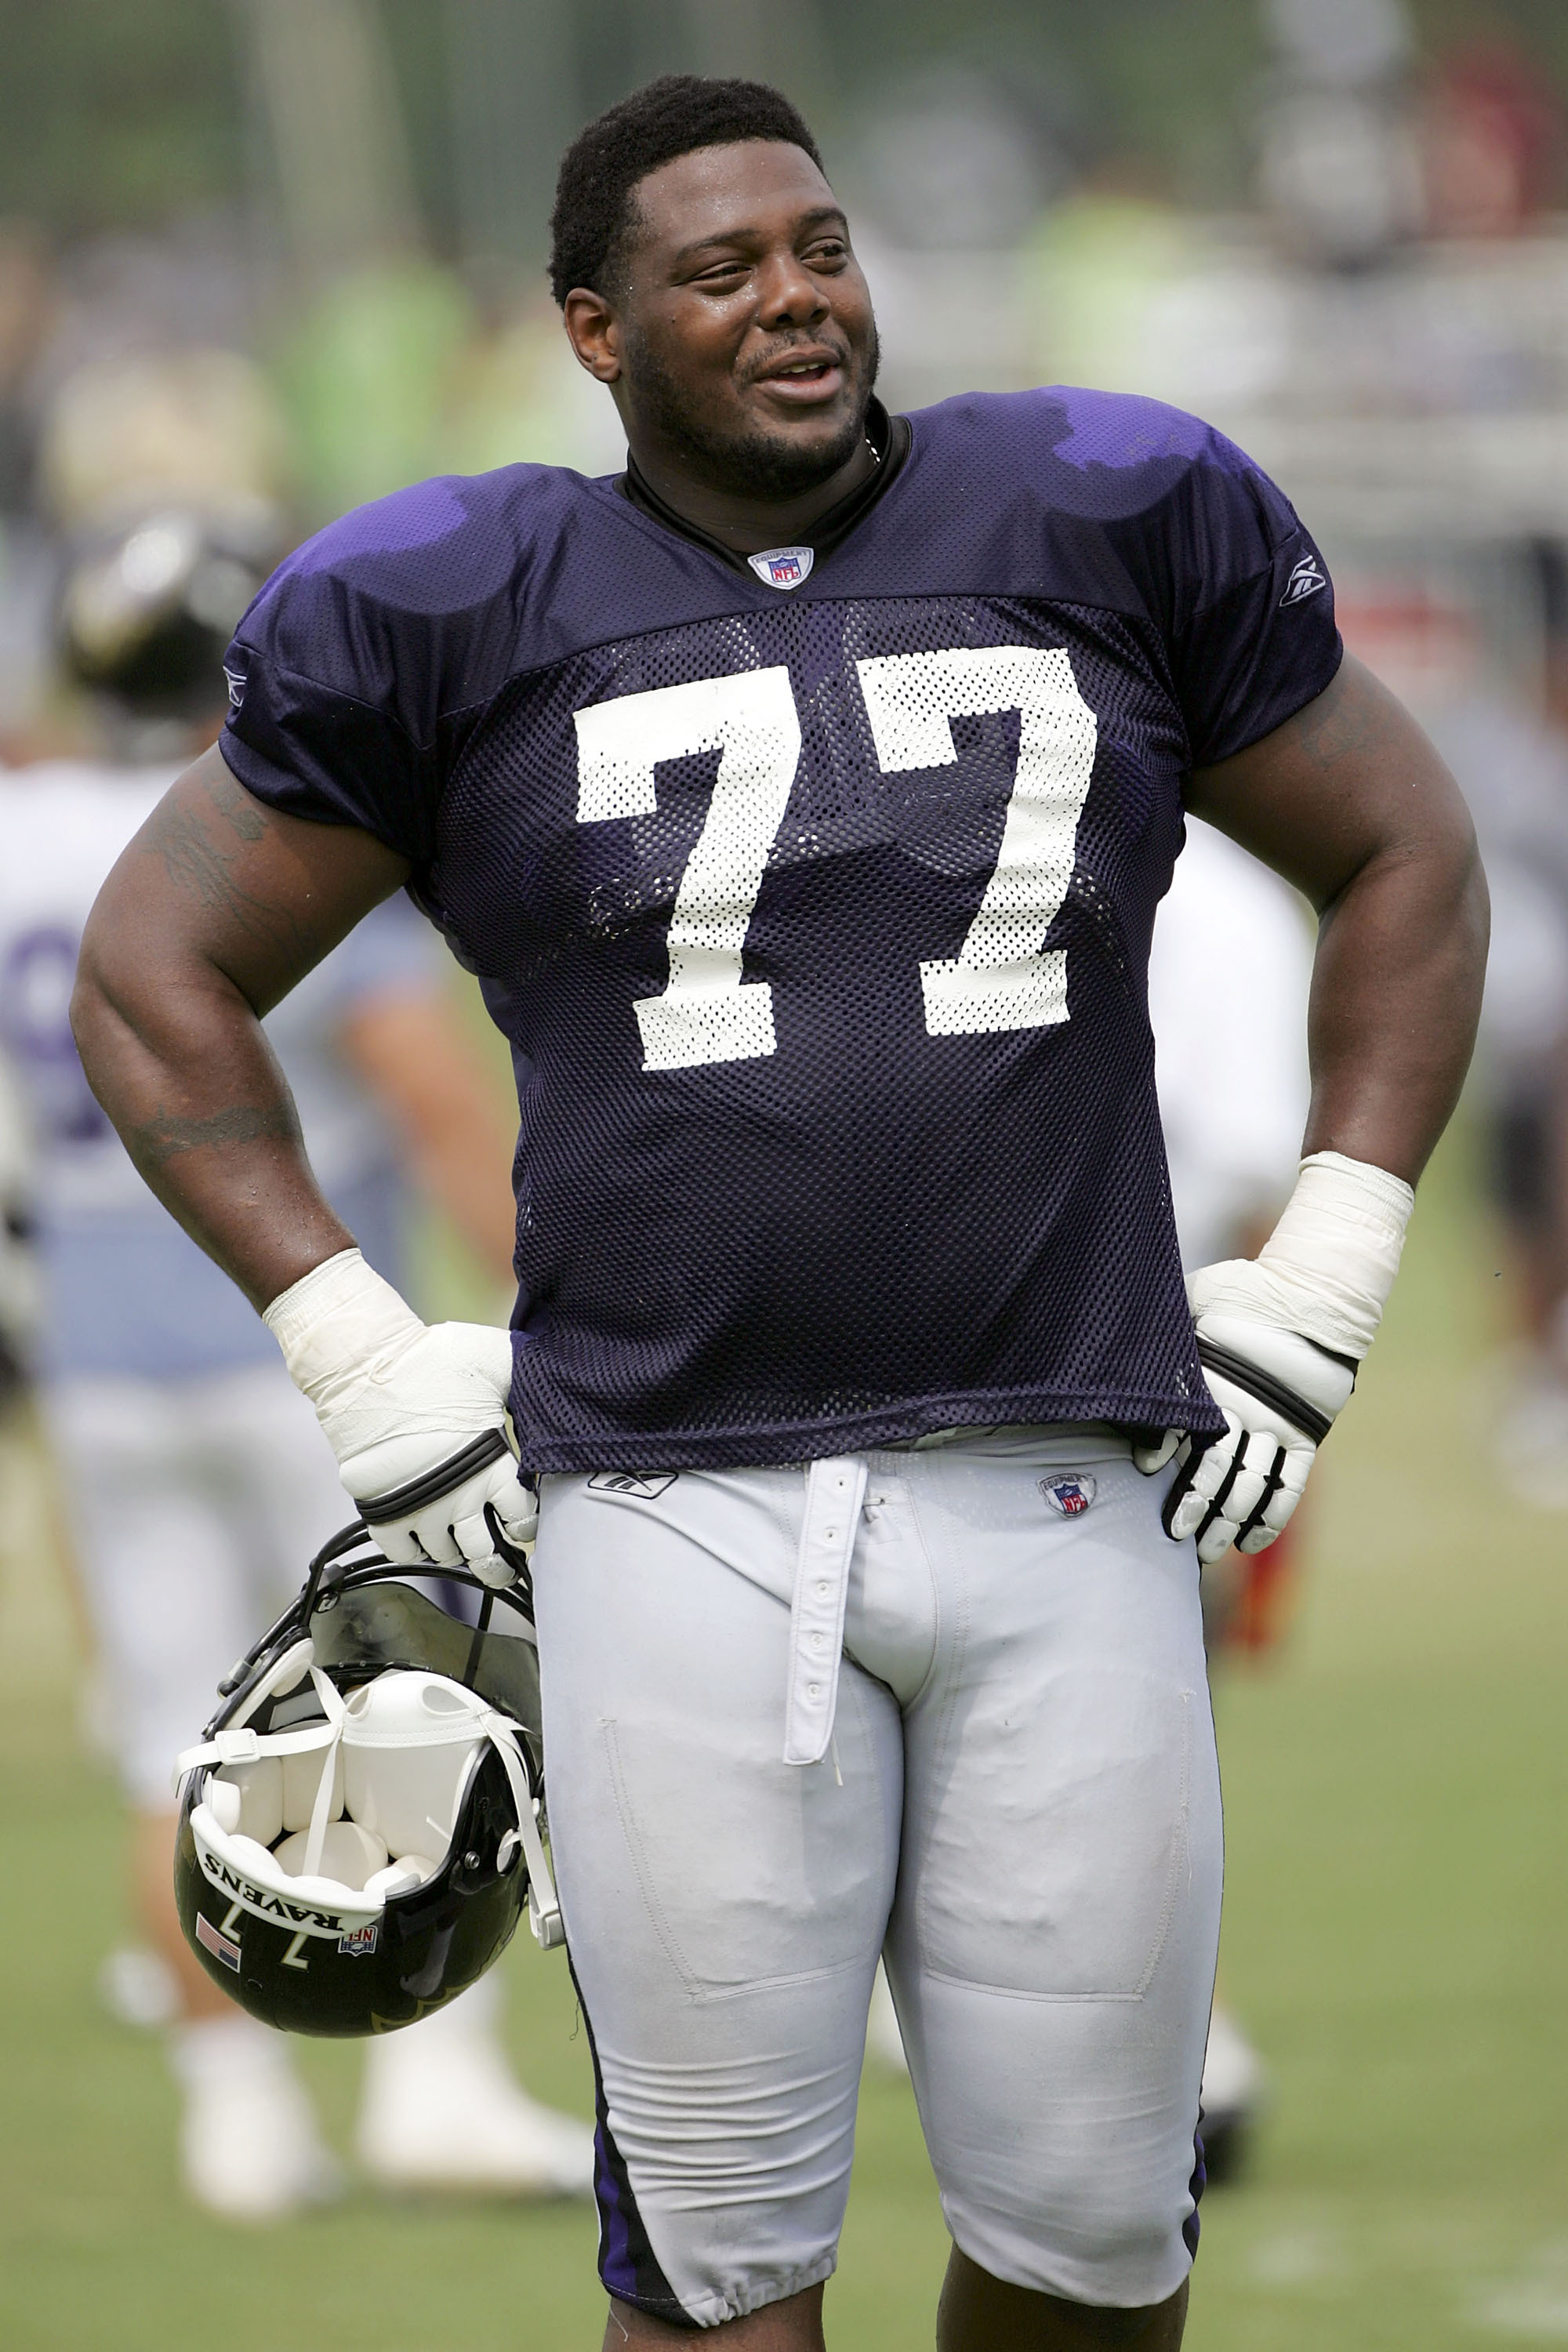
x: 243, y: 814
x: 1336, y: 725
x: 163, y: 1138
x: 199, y: 866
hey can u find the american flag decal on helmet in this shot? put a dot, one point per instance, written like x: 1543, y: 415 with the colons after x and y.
x: 222, y: 1947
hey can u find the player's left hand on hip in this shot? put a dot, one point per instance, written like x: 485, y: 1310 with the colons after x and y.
x: 415, y: 1415
x: 1279, y: 1395
x: 1280, y: 1338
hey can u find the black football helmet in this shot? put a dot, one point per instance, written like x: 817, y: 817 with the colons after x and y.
x: 362, y: 1821
x: 148, y: 605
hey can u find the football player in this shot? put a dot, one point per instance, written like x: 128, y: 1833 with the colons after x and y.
x: 1234, y: 1087
x: 210, y: 1486
x: 802, y: 796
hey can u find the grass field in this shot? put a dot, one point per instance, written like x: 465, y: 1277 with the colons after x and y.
x: 1396, y: 1937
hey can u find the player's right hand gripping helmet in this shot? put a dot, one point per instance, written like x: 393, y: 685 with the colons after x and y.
x: 362, y: 1823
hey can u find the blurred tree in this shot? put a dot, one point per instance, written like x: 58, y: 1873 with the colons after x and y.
x: 117, y: 114
x: 1162, y: 79
x: 1538, y: 27
x: 513, y: 83
x: 366, y: 372
x: 342, y: 186
x: 114, y: 115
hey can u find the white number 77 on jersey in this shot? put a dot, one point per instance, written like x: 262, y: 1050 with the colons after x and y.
x: 1002, y: 977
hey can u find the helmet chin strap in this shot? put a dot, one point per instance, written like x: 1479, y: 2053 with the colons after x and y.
x: 543, y: 1905
x: 240, y: 1745
x: 320, y: 1811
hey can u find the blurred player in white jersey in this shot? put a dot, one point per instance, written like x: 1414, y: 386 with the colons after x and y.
x: 18, y: 1272
x: 211, y: 1488
x: 1228, y: 979
x: 1425, y: 639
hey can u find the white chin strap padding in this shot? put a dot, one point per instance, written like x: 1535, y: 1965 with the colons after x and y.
x: 321, y: 1810
x: 543, y: 1905
x: 238, y: 1744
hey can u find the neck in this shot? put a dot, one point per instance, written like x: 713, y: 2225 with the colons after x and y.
x: 745, y: 524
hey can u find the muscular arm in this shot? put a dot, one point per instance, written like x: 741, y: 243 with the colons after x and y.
x: 1350, y: 802
x: 216, y: 908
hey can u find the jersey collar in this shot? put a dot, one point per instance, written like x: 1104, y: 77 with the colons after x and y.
x: 890, y: 437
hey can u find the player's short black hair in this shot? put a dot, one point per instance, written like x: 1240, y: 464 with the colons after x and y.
x: 672, y: 116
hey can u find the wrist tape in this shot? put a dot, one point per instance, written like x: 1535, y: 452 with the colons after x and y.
x: 1327, y: 1269
x: 341, y: 1323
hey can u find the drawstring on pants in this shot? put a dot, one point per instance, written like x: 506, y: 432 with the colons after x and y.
x: 835, y: 1492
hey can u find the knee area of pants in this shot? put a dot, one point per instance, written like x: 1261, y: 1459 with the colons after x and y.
x: 1115, y: 2277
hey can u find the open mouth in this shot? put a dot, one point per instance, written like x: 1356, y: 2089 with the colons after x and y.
x: 813, y: 376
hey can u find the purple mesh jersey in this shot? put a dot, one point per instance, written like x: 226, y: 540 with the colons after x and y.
x: 817, y: 914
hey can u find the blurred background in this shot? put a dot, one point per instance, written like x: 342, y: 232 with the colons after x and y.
x: 262, y: 260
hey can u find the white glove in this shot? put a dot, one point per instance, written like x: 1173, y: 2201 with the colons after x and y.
x: 1280, y: 1338
x: 415, y: 1415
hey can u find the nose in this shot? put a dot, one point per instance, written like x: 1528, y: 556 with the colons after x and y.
x: 787, y: 293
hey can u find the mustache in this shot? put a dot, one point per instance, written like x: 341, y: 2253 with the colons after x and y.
x: 835, y: 346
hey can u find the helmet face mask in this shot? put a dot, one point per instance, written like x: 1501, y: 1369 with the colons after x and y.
x: 360, y: 1628
x: 360, y: 1827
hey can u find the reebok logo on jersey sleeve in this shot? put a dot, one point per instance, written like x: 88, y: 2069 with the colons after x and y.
x: 1305, y: 580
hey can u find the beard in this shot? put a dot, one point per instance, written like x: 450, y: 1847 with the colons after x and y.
x: 756, y: 464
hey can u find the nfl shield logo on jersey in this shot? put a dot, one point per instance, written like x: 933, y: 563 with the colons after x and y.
x: 783, y: 567
x: 1070, y: 1494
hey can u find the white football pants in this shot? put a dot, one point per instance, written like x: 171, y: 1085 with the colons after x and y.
x: 194, y: 1507
x: 1015, y: 1789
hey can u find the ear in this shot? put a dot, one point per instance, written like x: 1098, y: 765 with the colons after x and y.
x: 594, y: 332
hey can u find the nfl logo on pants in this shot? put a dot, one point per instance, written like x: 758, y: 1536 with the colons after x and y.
x: 1070, y: 1494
